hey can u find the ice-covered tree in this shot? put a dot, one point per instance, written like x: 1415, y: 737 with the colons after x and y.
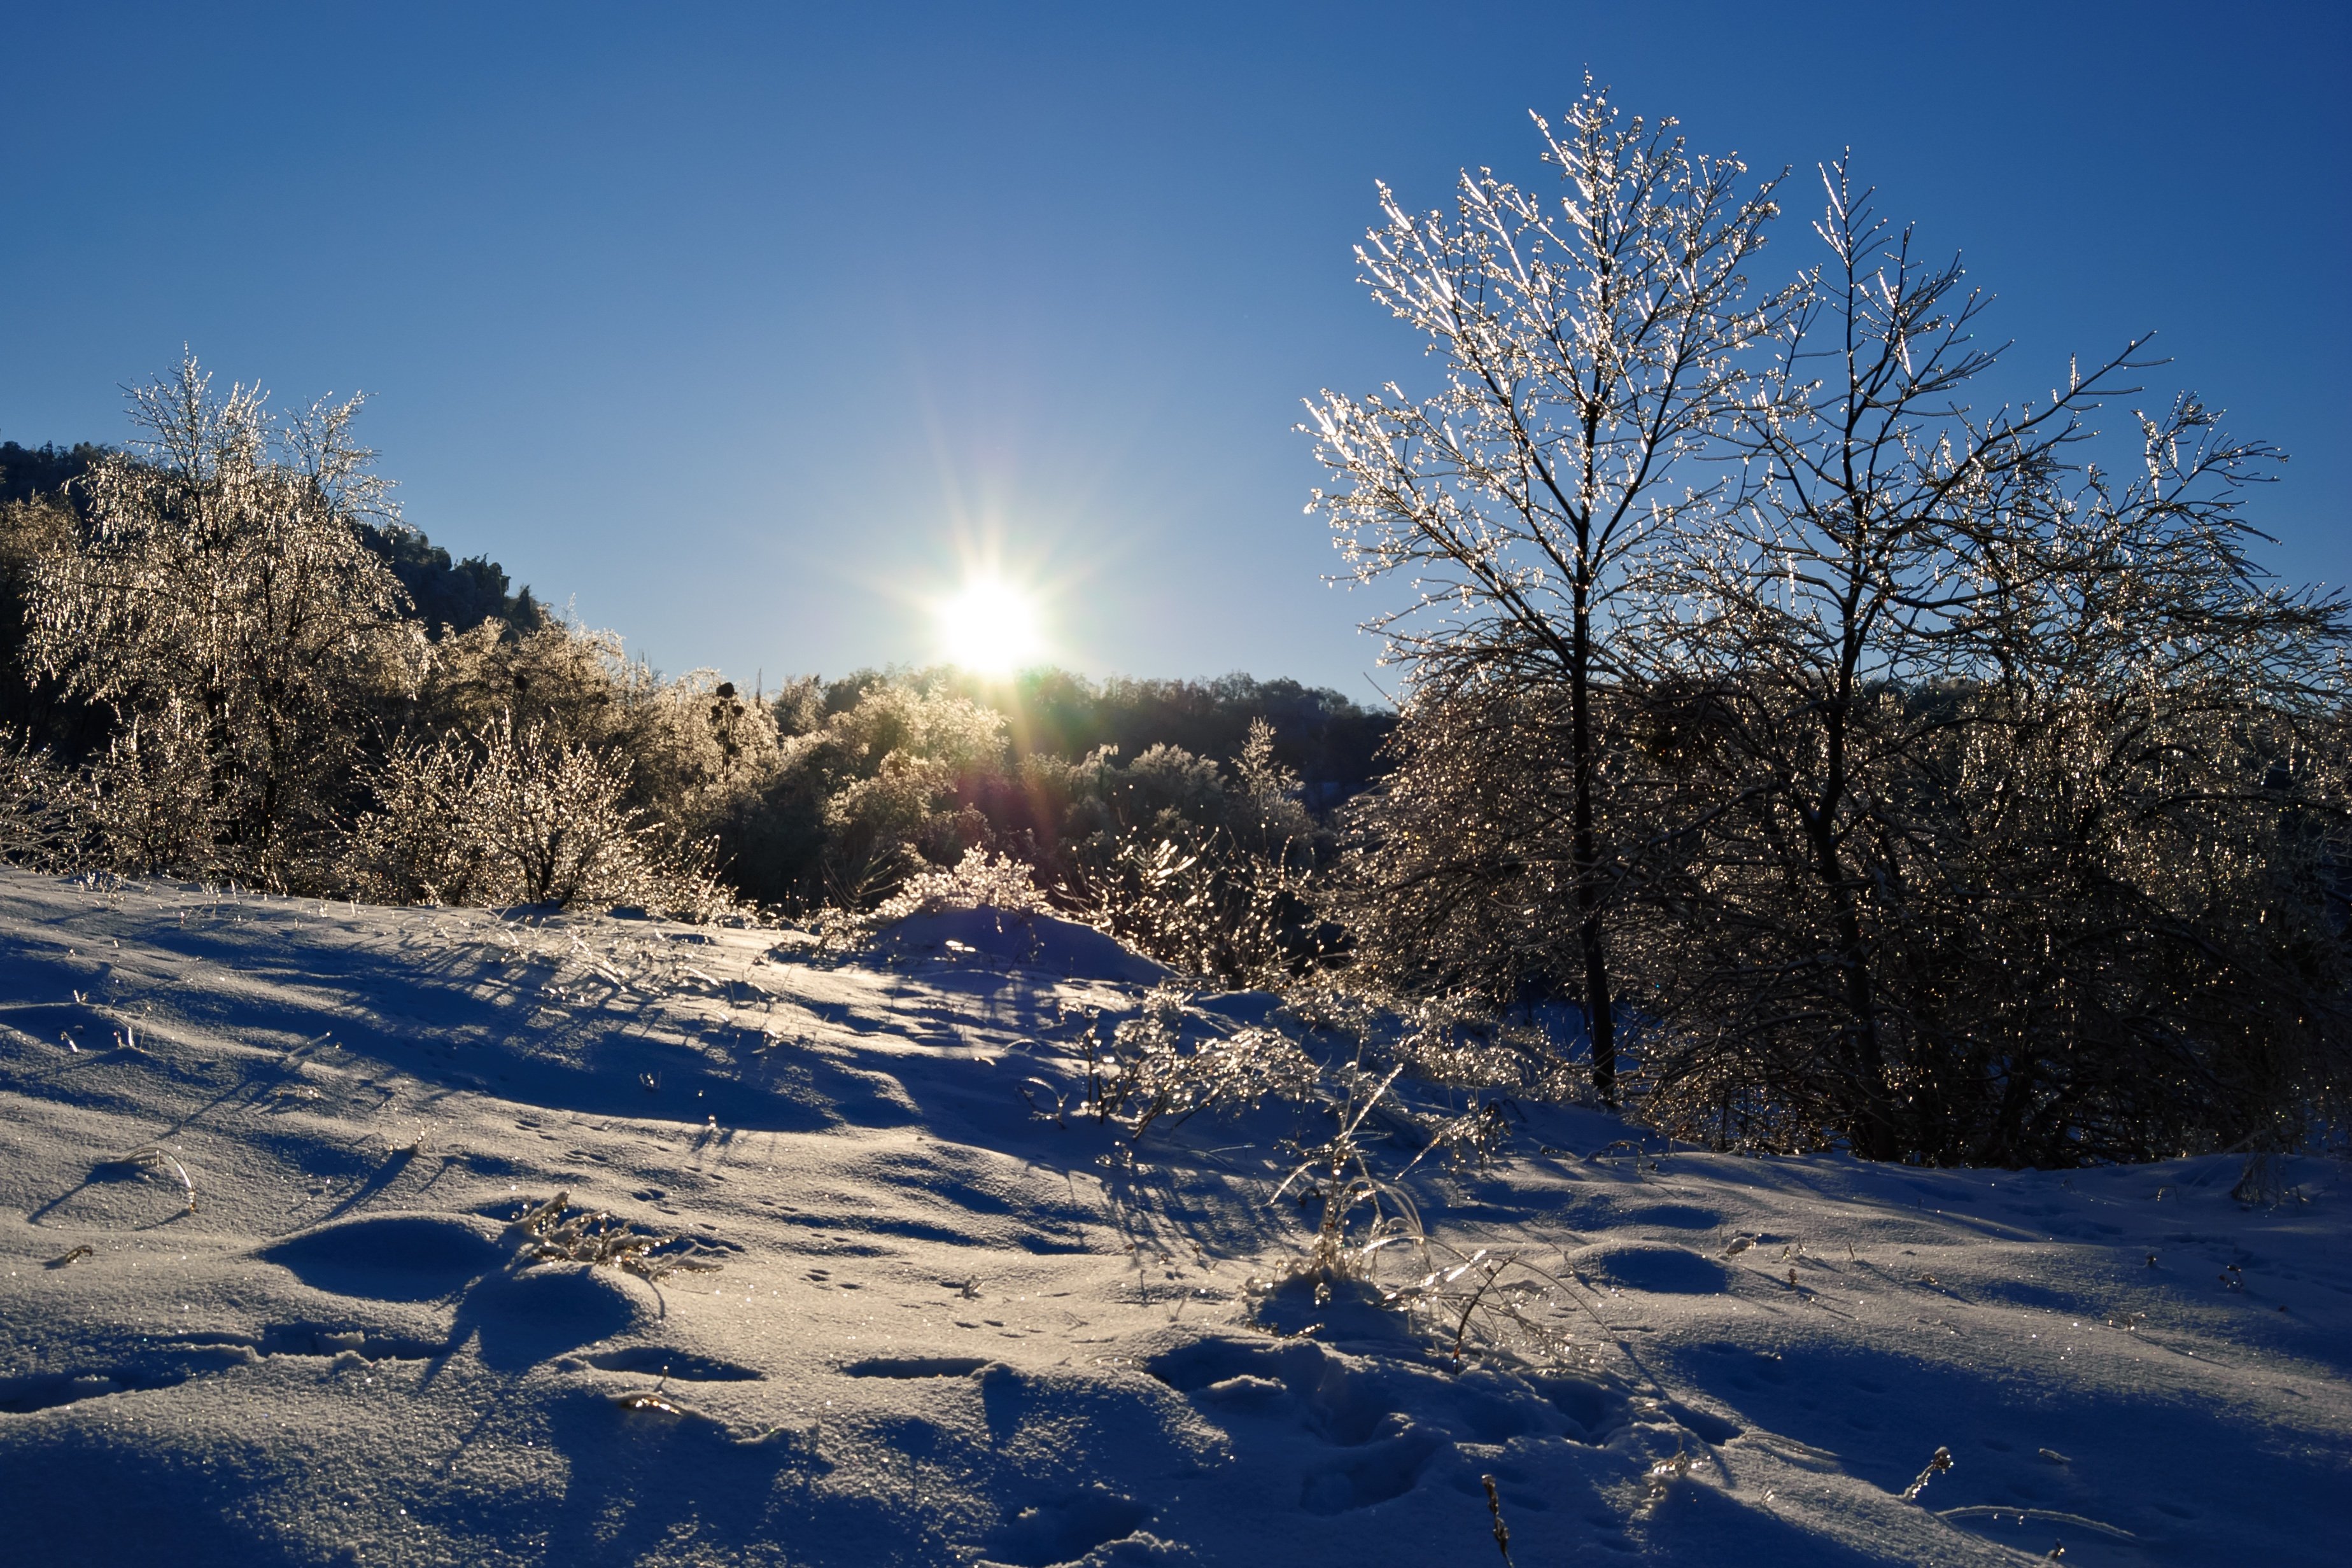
x: 1591, y: 342
x: 220, y: 591
x: 1973, y: 737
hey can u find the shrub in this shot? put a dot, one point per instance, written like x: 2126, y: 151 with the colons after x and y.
x: 1170, y: 1061
x: 40, y: 822
x: 979, y: 881
x: 518, y: 816
x: 220, y: 603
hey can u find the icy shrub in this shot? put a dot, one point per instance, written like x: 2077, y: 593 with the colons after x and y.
x: 150, y: 804
x: 509, y: 816
x: 979, y: 881
x: 219, y: 605
x: 1464, y: 1043
x: 699, y: 751
x: 1208, y: 874
x: 863, y: 795
x: 39, y: 801
x: 1211, y: 904
x: 1155, y: 1067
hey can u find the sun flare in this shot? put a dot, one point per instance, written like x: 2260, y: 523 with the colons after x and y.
x: 990, y: 626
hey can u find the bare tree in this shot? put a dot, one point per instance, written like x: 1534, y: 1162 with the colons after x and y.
x: 1914, y: 635
x: 220, y: 588
x: 1591, y: 345
x: 2151, y: 811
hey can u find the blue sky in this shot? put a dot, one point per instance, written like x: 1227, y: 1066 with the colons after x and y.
x: 745, y: 327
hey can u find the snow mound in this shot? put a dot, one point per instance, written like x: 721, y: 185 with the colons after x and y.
x: 390, y: 1256
x: 1016, y: 941
x: 1651, y: 1266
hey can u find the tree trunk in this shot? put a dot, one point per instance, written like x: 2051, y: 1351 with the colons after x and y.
x: 1599, y: 1019
x: 1874, y: 1134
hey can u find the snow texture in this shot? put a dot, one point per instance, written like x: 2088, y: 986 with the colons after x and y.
x: 260, y: 1301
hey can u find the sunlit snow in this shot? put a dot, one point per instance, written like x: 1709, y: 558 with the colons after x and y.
x: 260, y: 1302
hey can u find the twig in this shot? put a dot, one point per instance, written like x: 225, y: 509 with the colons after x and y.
x: 153, y: 1158
x: 1495, y: 1513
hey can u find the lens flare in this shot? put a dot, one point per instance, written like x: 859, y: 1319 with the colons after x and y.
x: 990, y: 627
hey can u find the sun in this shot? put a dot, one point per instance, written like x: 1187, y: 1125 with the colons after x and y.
x: 990, y: 627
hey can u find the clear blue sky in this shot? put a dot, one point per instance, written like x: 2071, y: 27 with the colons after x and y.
x: 736, y: 324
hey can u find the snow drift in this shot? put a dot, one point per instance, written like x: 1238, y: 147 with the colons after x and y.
x: 865, y: 1290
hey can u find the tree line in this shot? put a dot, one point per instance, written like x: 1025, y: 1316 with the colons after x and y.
x: 1855, y: 765
x: 229, y: 657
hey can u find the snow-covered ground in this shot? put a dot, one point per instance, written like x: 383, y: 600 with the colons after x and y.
x: 260, y: 1304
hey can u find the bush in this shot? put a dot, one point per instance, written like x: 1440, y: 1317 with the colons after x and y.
x: 39, y: 825
x: 1169, y: 1061
x: 220, y: 604
x: 979, y: 881
x: 507, y: 816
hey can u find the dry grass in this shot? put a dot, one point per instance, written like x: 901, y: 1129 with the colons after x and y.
x: 153, y: 1158
x: 554, y: 1232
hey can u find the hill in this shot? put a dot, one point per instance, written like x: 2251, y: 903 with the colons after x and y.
x: 896, y: 1299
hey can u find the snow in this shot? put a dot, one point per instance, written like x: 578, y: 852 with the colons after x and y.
x: 952, y: 1326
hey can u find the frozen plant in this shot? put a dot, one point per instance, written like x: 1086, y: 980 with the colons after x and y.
x: 1592, y: 342
x: 1938, y: 1463
x: 1464, y: 1043
x: 1367, y: 1219
x: 220, y: 595
x: 1170, y: 1060
x: 153, y: 1158
x: 1495, y: 1513
x: 554, y: 1232
x: 516, y: 815
x: 38, y: 800
x: 979, y: 881
x: 1337, y: 1173
x: 2010, y: 782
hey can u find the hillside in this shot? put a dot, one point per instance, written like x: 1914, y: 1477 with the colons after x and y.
x: 261, y: 1302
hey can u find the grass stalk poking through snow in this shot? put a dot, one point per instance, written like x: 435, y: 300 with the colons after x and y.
x: 153, y: 1158
x: 1938, y: 1463
x: 598, y: 1237
x: 1495, y: 1513
x: 1458, y: 1291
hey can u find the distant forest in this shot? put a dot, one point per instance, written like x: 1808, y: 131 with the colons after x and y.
x: 1329, y: 740
x: 433, y: 692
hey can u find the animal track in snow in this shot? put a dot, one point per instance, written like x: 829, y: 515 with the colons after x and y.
x: 683, y: 1366
x: 916, y: 1366
x: 171, y: 1364
x: 1065, y: 1530
x: 1371, y: 1475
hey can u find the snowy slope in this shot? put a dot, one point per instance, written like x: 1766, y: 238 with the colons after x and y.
x: 949, y: 1326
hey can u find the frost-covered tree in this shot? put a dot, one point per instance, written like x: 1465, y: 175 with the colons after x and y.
x: 1462, y: 858
x: 1973, y: 738
x: 220, y: 603
x: 1592, y: 343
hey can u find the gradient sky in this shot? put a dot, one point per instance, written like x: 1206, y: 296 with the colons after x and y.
x: 744, y: 327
